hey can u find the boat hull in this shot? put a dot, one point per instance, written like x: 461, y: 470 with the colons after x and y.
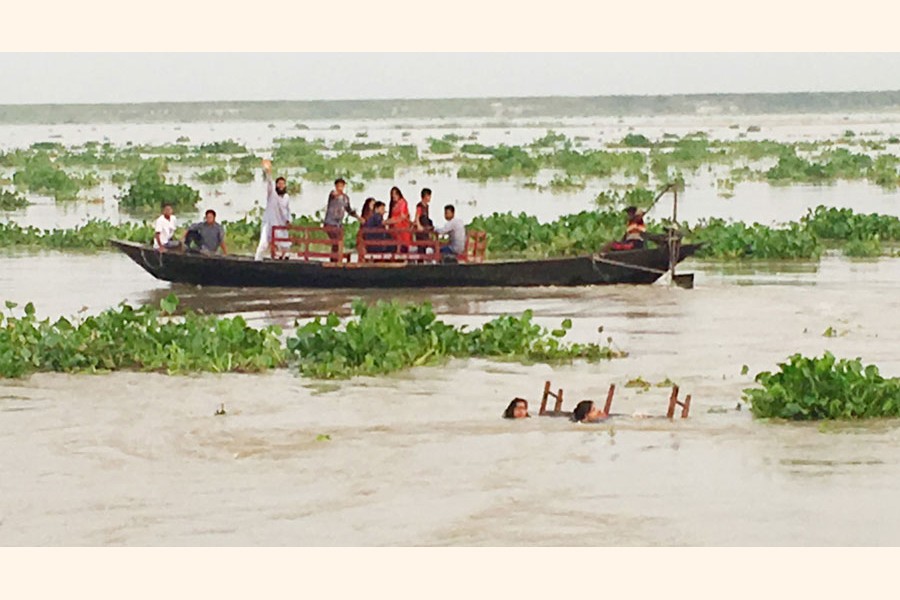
x: 629, y: 267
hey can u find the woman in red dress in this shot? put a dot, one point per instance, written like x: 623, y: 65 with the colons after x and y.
x: 398, y: 219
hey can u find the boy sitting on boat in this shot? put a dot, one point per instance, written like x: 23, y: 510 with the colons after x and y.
x: 376, y: 221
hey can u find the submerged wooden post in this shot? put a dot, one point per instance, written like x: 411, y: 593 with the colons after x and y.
x: 673, y: 400
x: 609, y: 398
x: 559, y: 400
x: 686, y: 407
x: 673, y: 258
x: 544, y: 398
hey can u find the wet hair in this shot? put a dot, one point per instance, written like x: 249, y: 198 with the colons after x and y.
x: 377, y: 205
x: 451, y: 208
x: 581, y: 411
x: 210, y: 211
x: 510, y: 411
x: 340, y: 180
x: 281, y: 179
x: 426, y: 192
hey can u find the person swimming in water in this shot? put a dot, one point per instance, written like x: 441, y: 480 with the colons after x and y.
x: 588, y: 412
x: 517, y: 409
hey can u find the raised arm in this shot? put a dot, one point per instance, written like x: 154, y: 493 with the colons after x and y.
x: 267, y: 176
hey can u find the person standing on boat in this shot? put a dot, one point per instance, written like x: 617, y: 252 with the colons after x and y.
x: 164, y: 230
x: 338, y: 205
x: 277, y: 213
x: 423, y: 222
x: 398, y: 219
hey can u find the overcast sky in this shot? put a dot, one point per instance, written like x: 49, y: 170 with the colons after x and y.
x: 61, y: 78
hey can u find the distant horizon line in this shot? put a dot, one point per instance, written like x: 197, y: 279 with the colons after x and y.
x: 455, y: 98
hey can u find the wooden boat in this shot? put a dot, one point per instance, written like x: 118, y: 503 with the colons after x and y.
x: 643, y: 266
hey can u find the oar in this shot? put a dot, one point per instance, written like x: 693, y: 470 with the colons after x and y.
x: 658, y: 196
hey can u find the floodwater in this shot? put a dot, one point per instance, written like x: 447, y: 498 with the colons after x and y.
x: 422, y: 457
x: 752, y: 201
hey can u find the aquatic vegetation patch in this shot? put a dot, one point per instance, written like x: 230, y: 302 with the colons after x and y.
x: 729, y: 240
x: 321, y: 164
x: 226, y: 147
x: 214, y: 175
x: 41, y: 175
x: 824, y: 388
x: 149, y: 189
x: 12, y: 200
x: 141, y: 339
x: 390, y: 336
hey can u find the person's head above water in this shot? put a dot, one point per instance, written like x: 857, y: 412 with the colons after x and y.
x: 281, y: 186
x: 588, y: 412
x: 583, y: 410
x: 517, y: 409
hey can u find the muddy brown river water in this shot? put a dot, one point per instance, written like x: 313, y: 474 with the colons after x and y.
x: 422, y: 457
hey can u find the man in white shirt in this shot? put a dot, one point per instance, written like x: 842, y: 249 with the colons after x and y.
x: 164, y: 230
x: 278, y: 212
x: 455, y: 230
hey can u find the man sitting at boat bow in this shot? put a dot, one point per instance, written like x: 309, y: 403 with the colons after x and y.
x: 207, y: 235
x: 164, y: 230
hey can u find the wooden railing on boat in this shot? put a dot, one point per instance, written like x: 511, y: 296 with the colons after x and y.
x: 305, y: 241
x: 374, y: 245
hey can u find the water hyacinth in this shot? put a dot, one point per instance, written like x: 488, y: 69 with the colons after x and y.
x: 380, y: 339
x: 141, y: 339
x: 824, y: 388
x: 389, y: 336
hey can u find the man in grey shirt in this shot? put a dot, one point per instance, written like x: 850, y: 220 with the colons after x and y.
x: 208, y: 235
x: 338, y: 205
